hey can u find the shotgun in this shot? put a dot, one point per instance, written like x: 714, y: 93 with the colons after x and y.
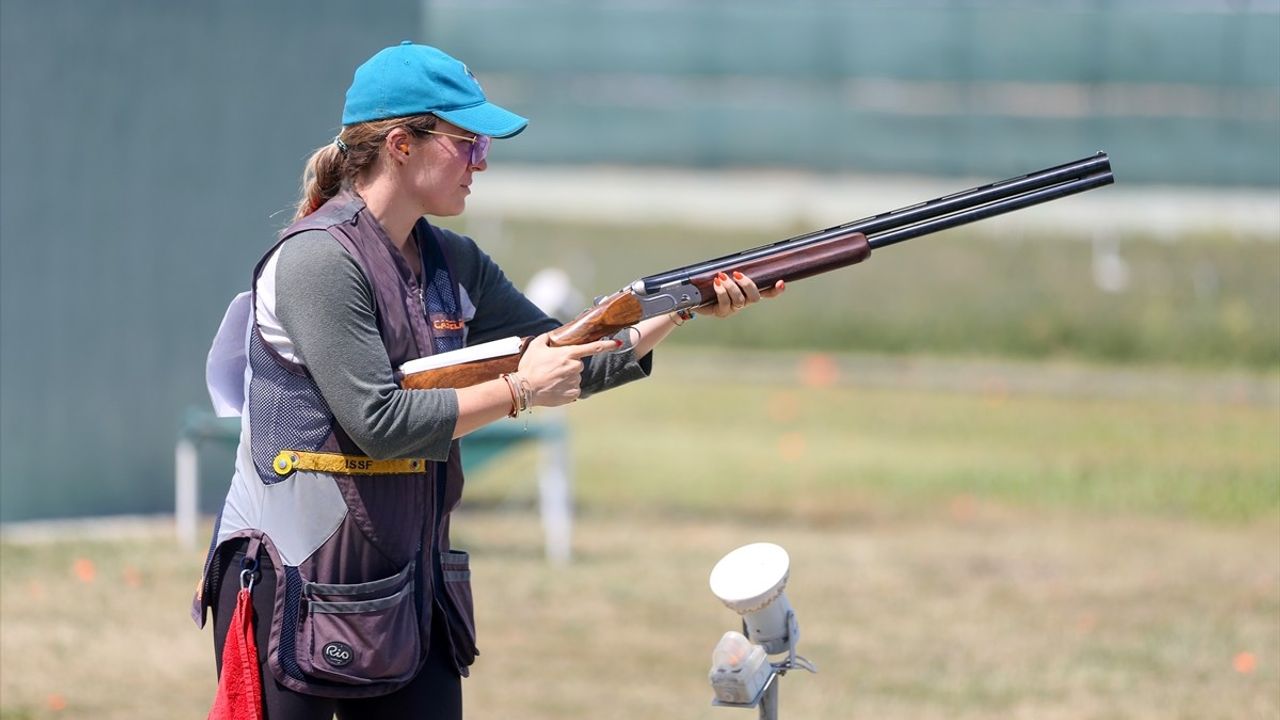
x: 796, y: 258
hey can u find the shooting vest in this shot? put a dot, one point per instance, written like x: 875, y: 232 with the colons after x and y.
x: 362, y: 560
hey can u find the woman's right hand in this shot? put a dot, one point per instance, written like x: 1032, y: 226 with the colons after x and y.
x: 554, y: 374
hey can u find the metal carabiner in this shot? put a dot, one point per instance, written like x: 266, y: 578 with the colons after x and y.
x: 248, y: 568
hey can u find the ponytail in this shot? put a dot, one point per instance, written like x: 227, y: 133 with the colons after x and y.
x: 321, y: 179
x: 354, y: 150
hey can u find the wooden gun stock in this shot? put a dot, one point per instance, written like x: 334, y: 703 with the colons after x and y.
x: 623, y: 309
x: 606, y: 318
x: 464, y: 374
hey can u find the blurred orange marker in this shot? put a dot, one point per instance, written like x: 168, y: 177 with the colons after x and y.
x: 819, y: 370
x: 84, y: 570
x: 791, y: 446
x: 1087, y: 623
x: 1245, y: 663
x: 132, y: 577
x: 57, y: 702
x: 963, y: 507
x: 995, y: 390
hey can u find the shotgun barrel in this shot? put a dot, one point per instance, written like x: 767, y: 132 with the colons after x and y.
x: 796, y: 258
x: 981, y: 212
x: 927, y: 217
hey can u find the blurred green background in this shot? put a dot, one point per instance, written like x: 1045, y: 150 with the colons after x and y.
x: 1028, y: 468
x: 151, y: 151
x: 1179, y: 92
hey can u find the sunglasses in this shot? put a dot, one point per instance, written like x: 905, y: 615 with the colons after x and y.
x: 479, y: 144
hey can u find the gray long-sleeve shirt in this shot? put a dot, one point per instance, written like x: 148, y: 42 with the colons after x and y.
x: 326, y: 307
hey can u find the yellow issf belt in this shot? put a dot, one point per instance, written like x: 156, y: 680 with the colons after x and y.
x: 289, y: 460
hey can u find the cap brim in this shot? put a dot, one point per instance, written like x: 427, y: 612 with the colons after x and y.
x: 485, y: 119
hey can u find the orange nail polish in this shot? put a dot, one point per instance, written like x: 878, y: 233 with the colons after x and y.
x: 723, y: 277
x: 717, y: 281
x: 737, y: 275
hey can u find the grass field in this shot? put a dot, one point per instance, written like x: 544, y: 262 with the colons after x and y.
x: 969, y: 539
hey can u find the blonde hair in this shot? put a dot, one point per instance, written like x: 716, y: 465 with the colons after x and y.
x: 330, y: 168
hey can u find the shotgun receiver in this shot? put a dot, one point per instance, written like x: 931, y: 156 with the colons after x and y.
x: 796, y: 258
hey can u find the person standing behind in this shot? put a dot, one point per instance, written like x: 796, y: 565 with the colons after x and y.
x: 337, y: 518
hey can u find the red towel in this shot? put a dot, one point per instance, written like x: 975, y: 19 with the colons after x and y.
x: 240, y: 688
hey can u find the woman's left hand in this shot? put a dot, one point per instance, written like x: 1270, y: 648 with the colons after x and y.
x: 735, y: 292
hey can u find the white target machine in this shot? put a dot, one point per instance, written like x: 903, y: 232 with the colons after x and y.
x: 750, y: 581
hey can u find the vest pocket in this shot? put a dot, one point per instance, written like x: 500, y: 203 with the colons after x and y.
x: 456, y: 565
x: 361, y: 633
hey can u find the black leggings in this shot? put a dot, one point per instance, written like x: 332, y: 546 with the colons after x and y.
x: 434, y: 694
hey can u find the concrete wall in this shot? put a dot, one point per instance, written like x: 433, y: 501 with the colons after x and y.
x: 150, y: 150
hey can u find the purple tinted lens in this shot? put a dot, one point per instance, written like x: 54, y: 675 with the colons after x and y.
x: 479, y: 149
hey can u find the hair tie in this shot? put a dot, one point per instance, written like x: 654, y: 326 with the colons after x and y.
x: 342, y: 147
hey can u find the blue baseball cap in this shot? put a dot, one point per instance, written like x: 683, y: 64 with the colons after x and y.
x: 409, y: 79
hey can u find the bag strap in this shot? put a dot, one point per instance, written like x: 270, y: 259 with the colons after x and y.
x: 249, y: 565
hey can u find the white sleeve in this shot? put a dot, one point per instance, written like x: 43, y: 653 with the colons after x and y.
x: 265, y: 313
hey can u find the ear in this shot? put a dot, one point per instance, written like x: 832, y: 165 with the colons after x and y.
x: 398, y: 143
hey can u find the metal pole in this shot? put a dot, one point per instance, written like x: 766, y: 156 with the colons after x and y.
x: 186, y: 491
x: 555, y: 494
x: 769, y: 701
